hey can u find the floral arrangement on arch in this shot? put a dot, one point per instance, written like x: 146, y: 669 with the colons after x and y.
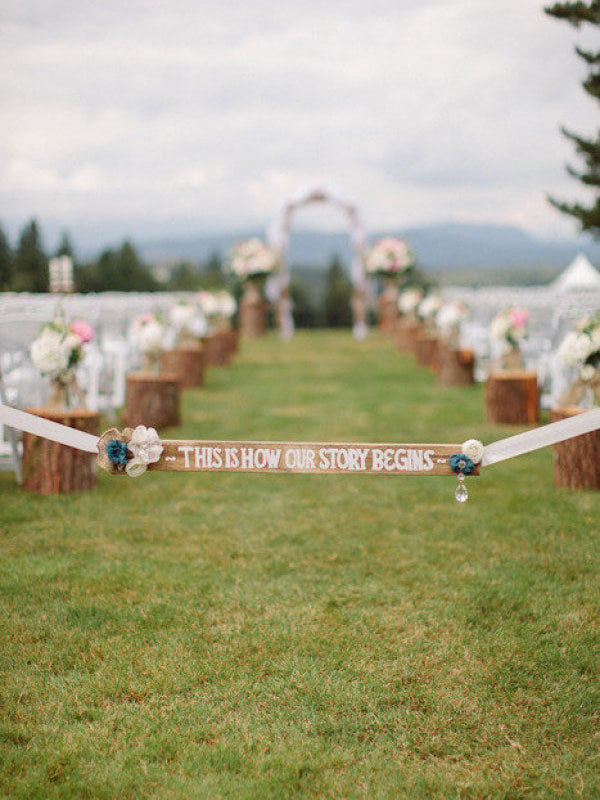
x: 148, y: 334
x: 389, y: 256
x: 581, y: 349
x: 252, y: 258
x: 408, y: 301
x: 56, y: 352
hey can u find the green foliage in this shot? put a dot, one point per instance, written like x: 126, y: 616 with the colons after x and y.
x: 6, y: 262
x: 116, y: 271
x: 30, y: 262
x: 306, y: 315
x: 338, y: 295
x: 262, y: 637
x: 589, y: 149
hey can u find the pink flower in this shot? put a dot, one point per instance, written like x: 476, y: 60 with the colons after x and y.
x: 518, y: 317
x: 83, y: 330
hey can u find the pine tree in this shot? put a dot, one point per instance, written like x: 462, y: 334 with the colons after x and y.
x: 588, y: 149
x: 338, y: 293
x: 6, y: 263
x: 30, y: 264
x: 65, y: 248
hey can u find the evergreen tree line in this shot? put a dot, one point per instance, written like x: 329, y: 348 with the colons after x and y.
x: 24, y: 268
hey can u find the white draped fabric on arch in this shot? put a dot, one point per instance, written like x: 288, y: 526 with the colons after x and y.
x: 279, y: 239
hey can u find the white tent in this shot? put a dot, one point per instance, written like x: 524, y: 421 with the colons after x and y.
x: 580, y: 274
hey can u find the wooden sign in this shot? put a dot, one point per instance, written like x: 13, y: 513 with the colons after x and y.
x: 307, y: 458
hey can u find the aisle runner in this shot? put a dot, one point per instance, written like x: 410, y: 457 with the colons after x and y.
x: 135, y: 451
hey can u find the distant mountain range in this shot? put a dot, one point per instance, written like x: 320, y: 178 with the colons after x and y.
x: 451, y: 246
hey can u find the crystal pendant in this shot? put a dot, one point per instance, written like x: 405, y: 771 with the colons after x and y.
x: 461, y: 493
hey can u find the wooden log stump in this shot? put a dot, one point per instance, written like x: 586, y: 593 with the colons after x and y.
x: 152, y: 400
x: 217, y: 350
x: 407, y: 330
x: 52, y: 468
x: 455, y: 366
x: 426, y: 350
x: 576, y: 461
x: 187, y: 363
x: 253, y: 311
x: 512, y: 397
x: 387, y: 304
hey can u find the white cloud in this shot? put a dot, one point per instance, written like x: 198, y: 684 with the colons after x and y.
x: 197, y: 114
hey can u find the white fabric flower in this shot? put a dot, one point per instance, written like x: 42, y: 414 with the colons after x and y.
x: 49, y: 353
x: 136, y: 467
x: 145, y: 445
x: 473, y: 449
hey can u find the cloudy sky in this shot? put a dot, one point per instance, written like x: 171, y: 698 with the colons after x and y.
x: 173, y: 117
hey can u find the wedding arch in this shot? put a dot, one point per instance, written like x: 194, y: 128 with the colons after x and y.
x: 279, y: 236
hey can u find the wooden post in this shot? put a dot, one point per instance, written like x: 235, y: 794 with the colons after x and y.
x: 407, y: 330
x: 52, y: 468
x: 512, y: 397
x: 187, y: 362
x: 576, y: 461
x: 252, y: 310
x: 388, y: 305
x: 426, y: 349
x: 217, y: 349
x: 455, y: 366
x: 152, y: 400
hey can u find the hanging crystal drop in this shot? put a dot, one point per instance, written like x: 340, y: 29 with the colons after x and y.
x: 461, y: 493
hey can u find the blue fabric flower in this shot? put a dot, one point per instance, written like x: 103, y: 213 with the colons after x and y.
x: 459, y: 462
x: 117, y: 452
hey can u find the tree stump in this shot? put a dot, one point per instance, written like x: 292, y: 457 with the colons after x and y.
x: 152, y: 400
x: 576, y: 461
x: 52, y: 468
x: 426, y: 349
x: 388, y: 306
x: 455, y: 366
x: 252, y: 311
x: 512, y: 397
x: 217, y: 349
x: 407, y: 330
x: 187, y: 363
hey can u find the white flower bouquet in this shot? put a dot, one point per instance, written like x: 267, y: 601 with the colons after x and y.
x: 449, y: 318
x: 252, y: 258
x: 409, y: 300
x: 56, y: 352
x: 429, y: 307
x: 581, y: 348
x: 509, y: 327
x: 148, y: 334
x: 189, y: 321
x: 389, y: 256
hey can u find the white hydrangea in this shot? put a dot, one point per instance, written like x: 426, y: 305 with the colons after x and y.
x: 575, y: 348
x: 409, y: 300
x: 150, y: 337
x: 430, y: 306
x: 51, y: 352
x: 182, y: 314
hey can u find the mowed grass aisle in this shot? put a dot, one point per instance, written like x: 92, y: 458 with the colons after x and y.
x: 251, y: 636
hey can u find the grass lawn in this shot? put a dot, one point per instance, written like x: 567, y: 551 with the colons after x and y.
x: 251, y: 636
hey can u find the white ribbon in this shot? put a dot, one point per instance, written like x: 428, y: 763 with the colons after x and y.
x: 54, y: 431
x: 497, y: 451
x: 541, y: 437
